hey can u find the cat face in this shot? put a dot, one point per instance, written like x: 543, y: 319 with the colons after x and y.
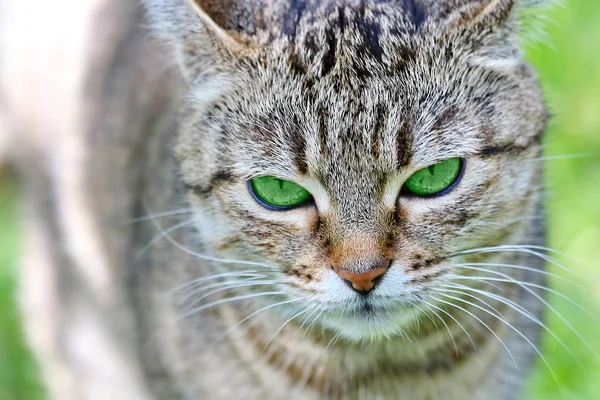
x: 349, y: 109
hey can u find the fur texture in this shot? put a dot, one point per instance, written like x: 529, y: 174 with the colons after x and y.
x: 348, y: 99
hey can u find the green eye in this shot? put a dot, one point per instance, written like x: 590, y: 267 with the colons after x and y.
x: 436, y: 179
x: 277, y: 193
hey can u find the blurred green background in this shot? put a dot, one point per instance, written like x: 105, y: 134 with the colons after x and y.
x: 569, y: 64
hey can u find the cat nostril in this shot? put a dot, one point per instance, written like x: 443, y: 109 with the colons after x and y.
x: 364, y: 282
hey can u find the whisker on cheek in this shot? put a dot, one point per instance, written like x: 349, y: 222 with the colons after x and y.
x: 432, y: 307
x: 219, y: 284
x: 229, y: 287
x: 527, y: 287
x: 511, y: 304
x: 204, y: 256
x: 255, y: 313
x: 517, y: 267
x: 243, y: 274
x: 526, y: 249
x: 479, y: 320
x: 161, y: 215
x: 283, y: 326
x: 162, y: 235
x: 225, y: 301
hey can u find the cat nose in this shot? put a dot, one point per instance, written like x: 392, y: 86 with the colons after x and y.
x: 364, y: 282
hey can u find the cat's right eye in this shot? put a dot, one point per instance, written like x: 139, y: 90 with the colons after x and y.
x: 278, y: 194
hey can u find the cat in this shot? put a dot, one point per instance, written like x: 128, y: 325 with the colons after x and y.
x: 353, y: 209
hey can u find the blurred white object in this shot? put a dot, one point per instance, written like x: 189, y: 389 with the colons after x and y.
x: 48, y: 53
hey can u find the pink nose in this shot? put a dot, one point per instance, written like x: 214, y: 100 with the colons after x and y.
x: 362, y: 282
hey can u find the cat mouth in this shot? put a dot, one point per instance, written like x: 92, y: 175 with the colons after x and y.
x: 368, y: 322
x: 369, y: 317
x: 366, y: 311
x: 370, y: 305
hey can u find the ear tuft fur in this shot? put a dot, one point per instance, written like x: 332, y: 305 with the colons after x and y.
x: 201, y: 46
x: 497, y: 28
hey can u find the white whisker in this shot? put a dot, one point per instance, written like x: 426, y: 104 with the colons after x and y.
x: 283, y: 325
x: 219, y: 284
x: 160, y: 236
x: 521, y: 249
x: 203, y: 256
x: 521, y: 310
x: 563, y: 157
x: 519, y: 267
x: 459, y: 292
x: 333, y: 341
x: 160, y: 215
x: 231, y: 286
x: 318, y: 313
x: 246, y: 273
x: 525, y: 286
x: 427, y: 315
x: 446, y: 325
x: 258, y: 312
x: 227, y: 300
x: 478, y: 319
x: 520, y: 334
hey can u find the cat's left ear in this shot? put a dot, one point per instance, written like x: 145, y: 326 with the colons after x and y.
x: 199, y: 34
x: 493, y: 28
x: 478, y: 15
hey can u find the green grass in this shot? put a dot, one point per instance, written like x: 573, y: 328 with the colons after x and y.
x: 18, y: 378
x: 571, y: 78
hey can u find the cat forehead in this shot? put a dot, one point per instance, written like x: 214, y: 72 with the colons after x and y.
x: 372, y: 130
x: 425, y: 98
x: 316, y: 36
x: 356, y: 77
x: 272, y: 19
x: 355, y: 38
x: 288, y: 17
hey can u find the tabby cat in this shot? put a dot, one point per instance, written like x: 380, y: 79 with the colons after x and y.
x: 353, y: 211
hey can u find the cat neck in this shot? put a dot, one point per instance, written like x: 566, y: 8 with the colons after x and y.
x: 320, y: 361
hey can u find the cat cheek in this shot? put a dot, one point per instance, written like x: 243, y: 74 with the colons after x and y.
x: 303, y: 273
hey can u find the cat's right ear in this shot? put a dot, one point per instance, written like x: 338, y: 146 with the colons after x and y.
x: 201, y: 46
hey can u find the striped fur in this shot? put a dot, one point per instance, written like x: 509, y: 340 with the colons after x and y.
x: 348, y: 99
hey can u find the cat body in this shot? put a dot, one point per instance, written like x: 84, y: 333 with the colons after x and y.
x: 228, y: 298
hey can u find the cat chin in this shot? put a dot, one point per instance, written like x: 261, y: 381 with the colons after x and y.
x: 370, y: 326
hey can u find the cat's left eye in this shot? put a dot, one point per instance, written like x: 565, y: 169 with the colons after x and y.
x: 435, y: 180
x: 278, y: 194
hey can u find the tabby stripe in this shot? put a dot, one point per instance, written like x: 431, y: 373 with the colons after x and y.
x: 370, y: 32
x: 217, y: 179
x: 329, y: 59
x: 299, y: 150
x: 380, y: 117
x: 404, y: 144
x: 444, y: 119
x: 416, y: 12
x: 323, y: 114
x: 292, y: 19
x: 490, y: 151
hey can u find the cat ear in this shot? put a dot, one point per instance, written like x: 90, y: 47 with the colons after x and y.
x: 493, y: 29
x: 482, y: 14
x: 201, y: 45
